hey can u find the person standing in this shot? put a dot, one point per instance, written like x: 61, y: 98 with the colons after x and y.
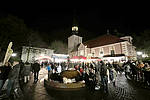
x: 4, y: 73
x: 127, y: 70
x: 59, y: 69
x: 26, y: 72
x: 13, y: 78
x: 104, y: 76
x: 1, y: 78
x: 114, y: 76
x: 92, y: 80
x: 21, y: 70
x: 49, y: 70
x: 36, y: 69
x: 146, y: 74
x: 7, y: 69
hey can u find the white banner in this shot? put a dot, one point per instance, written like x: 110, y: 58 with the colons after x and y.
x: 8, y: 53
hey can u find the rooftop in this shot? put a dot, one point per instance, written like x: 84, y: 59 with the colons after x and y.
x: 103, y: 40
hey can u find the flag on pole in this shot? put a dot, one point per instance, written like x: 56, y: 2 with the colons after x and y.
x: 8, y: 53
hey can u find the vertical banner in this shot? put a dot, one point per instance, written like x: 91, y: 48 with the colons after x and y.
x: 8, y: 53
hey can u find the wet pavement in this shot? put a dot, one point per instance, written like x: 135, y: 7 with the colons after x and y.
x: 124, y: 90
x: 36, y: 91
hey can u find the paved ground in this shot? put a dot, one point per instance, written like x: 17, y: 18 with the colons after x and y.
x: 128, y: 90
x: 37, y: 91
x: 125, y: 90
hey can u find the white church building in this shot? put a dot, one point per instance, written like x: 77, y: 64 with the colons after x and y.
x: 107, y: 47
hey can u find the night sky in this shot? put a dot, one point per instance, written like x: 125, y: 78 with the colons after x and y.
x: 56, y: 22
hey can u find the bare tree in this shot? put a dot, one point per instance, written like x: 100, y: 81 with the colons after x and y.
x: 59, y: 47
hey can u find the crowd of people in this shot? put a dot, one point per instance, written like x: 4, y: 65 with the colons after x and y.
x: 9, y: 75
x: 101, y: 73
x: 95, y: 74
x: 15, y: 74
x: 138, y: 71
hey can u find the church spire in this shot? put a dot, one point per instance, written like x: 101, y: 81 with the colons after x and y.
x: 75, y: 23
x: 75, y: 26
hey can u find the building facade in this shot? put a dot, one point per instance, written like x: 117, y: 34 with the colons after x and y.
x: 104, y: 47
x: 30, y: 54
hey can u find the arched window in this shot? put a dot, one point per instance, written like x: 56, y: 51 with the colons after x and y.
x: 112, y: 52
x: 101, y: 52
x: 93, y: 54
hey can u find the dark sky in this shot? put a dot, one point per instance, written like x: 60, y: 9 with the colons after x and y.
x: 57, y: 21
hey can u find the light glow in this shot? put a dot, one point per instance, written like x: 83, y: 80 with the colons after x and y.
x: 139, y: 53
x: 75, y: 28
x: 42, y: 55
x: 14, y: 55
x: 144, y: 55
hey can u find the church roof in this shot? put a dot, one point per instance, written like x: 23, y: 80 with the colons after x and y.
x: 103, y: 40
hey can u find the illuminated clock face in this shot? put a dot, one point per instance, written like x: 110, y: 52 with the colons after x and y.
x: 74, y: 28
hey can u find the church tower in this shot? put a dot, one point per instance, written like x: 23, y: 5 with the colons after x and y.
x: 75, y: 27
x: 74, y: 40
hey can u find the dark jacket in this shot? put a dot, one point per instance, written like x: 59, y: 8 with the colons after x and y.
x: 14, y: 73
x: 36, y: 67
x: 21, y: 68
x: 103, y: 70
x: 6, y: 72
x: 26, y: 69
x: 1, y: 73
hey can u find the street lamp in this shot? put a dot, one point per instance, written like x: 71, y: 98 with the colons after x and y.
x: 139, y: 53
x: 14, y: 55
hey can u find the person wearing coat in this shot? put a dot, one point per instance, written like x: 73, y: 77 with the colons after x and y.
x: 49, y: 69
x: 26, y: 72
x: 1, y: 77
x: 127, y: 70
x: 114, y: 77
x: 13, y: 78
x: 36, y: 69
x: 4, y: 72
x: 104, y: 73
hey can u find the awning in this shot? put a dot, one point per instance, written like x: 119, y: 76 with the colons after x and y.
x: 79, y: 57
x: 43, y: 58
